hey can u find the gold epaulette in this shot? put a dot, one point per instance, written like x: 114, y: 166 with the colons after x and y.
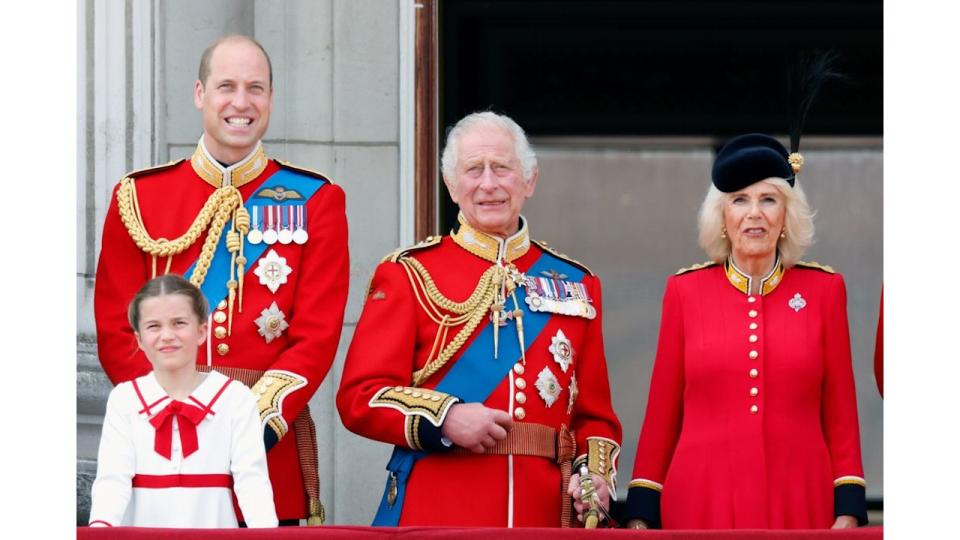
x: 566, y: 258
x: 817, y: 266
x: 429, y: 241
x: 308, y: 172
x: 156, y: 168
x: 697, y: 266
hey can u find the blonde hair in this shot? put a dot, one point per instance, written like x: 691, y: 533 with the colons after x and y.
x: 797, y: 224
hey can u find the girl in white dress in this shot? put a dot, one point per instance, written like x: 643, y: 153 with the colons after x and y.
x: 177, y: 443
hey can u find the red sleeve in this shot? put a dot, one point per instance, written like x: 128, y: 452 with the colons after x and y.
x: 321, y: 296
x: 593, y: 414
x: 664, y: 415
x: 381, y: 355
x: 121, y: 271
x: 878, y: 350
x: 841, y: 428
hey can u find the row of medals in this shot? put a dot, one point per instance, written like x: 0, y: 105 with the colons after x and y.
x: 274, y: 229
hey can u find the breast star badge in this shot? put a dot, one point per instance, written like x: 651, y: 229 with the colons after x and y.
x: 272, y: 270
x: 271, y: 323
x: 562, y: 350
x: 797, y: 302
x: 548, y: 386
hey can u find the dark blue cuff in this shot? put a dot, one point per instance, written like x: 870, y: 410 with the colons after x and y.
x: 269, y: 437
x: 850, y: 500
x: 431, y: 437
x: 644, y: 503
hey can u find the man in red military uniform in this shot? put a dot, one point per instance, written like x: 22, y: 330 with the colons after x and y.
x: 480, y: 356
x: 267, y: 244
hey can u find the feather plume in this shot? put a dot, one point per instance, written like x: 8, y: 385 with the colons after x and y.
x: 805, y: 77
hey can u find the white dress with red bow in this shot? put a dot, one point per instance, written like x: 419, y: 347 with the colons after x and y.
x: 166, y: 463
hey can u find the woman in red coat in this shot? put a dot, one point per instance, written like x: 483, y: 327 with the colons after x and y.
x: 752, y: 417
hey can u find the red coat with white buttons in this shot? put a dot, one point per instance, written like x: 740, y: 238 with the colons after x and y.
x: 752, y: 417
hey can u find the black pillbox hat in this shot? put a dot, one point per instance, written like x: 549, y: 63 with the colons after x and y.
x: 748, y: 159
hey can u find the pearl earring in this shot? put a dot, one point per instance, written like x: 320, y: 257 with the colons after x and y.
x: 723, y: 232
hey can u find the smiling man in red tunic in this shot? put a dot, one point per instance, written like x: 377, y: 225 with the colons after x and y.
x: 267, y: 244
x: 480, y: 356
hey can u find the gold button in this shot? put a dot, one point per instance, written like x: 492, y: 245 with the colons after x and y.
x: 219, y: 317
x: 521, y: 384
x: 268, y: 380
x: 434, y: 398
x: 518, y: 369
x: 751, y: 299
x: 521, y: 397
x: 220, y: 332
x: 398, y: 388
x: 222, y: 304
x: 754, y: 409
x: 223, y: 349
x: 753, y: 338
x: 754, y: 373
x: 753, y: 326
x: 754, y: 391
x: 753, y: 355
x: 520, y: 413
x: 752, y: 313
x: 407, y: 391
x: 415, y: 394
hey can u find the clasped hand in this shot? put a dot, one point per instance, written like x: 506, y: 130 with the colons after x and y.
x: 475, y: 427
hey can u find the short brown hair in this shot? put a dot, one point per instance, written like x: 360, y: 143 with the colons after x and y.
x: 162, y: 286
x: 204, y: 70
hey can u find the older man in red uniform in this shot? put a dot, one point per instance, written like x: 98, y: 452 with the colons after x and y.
x: 480, y: 356
x: 267, y: 244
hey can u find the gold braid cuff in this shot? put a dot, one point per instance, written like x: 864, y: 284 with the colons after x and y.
x: 644, y: 483
x: 469, y: 313
x: 601, y: 459
x: 270, y: 391
x: 415, y: 402
x: 855, y: 480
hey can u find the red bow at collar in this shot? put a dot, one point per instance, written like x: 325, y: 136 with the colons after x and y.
x: 187, y: 417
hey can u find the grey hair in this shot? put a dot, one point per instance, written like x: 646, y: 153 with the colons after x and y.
x: 797, y: 224
x: 521, y: 146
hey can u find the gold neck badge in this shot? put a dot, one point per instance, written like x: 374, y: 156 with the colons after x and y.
x: 235, y: 175
x: 744, y: 283
x: 492, y: 248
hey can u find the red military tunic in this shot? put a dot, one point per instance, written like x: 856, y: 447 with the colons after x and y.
x: 395, y: 337
x: 311, y: 300
x: 752, y: 417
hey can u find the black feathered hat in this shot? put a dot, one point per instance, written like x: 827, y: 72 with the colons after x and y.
x: 747, y: 159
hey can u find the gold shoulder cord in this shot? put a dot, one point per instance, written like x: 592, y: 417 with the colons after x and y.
x: 222, y: 205
x: 470, y: 312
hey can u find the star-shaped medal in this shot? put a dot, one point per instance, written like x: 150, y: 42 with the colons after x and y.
x: 272, y: 270
x: 797, y: 302
x: 548, y: 386
x: 562, y: 350
x: 271, y: 323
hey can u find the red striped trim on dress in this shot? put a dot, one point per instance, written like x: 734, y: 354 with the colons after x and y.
x: 208, y: 408
x: 99, y: 521
x: 159, y: 481
x: 146, y: 408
